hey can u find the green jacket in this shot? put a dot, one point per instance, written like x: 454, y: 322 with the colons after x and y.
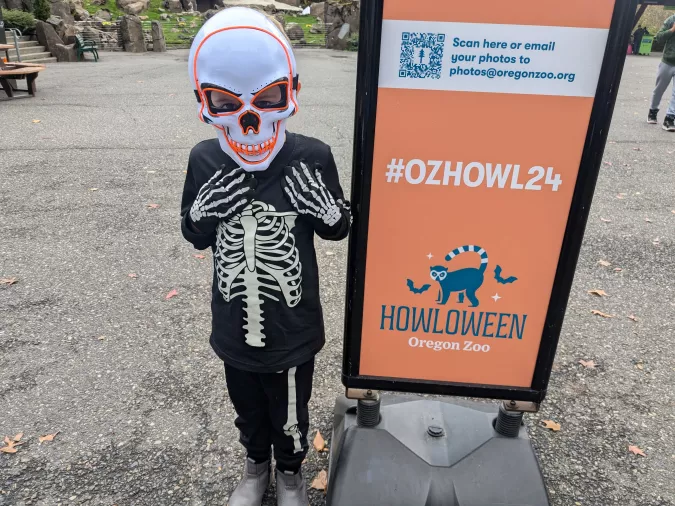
x: 665, y: 35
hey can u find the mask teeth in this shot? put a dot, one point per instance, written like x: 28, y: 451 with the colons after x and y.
x: 248, y: 149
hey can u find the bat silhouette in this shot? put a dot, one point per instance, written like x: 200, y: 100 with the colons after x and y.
x: 503, y: 281
x: 421, y: 289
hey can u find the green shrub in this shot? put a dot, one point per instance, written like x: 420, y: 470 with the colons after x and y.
x: 41, y: 9
x: 18, y: 19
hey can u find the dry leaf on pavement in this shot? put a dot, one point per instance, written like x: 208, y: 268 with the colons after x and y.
x: 8, y: 281
x: 550, y: 424
x: 605, y: 220
x: 321, y: 481
x: 48, y: 437
x: 18, y: 437
x: 171, y: 294
x: 618, y: 269
x: 152, y: 206
x: 11, y: 444
x: 648, y: 220
x: 637, y: 451
x: 200, y: 257
x: 605, y: 263
x: 600, y: 313
x: 93, y: 189
x: 589, y: 364
x: 133, y: 275
x: 599, y: 293
x: 319, y: 442
x: 632, y: 317
x: 608, y: 163
x: 36, y: 121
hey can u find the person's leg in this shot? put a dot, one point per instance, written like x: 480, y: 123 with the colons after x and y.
x: 250, y: 402
x: 663, y: 77
x: 289, y: 393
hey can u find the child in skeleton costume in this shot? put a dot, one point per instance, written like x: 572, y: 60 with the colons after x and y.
x: 257, y: 195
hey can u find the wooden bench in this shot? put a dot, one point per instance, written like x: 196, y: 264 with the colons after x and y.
x: 86, y: 46
x: 27, y: 71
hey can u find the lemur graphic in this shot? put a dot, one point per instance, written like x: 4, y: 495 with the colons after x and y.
x: 463, y: 280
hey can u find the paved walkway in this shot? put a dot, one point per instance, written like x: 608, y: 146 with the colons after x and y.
x: 127, y: 378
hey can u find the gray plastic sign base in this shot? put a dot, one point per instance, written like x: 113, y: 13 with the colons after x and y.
x: 428, y: 452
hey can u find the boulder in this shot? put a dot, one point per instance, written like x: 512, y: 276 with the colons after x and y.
x: 339, y: 38
x: 69, y: 32
x: 294, y: 31
x: 133, y: 6
x: 47, y: 36
x: 80, y: 13
x: 189, y: 5
x: 91, y: 33
x: 318, y: 10
x: 131, y: 32
x: 164, y: 17
x: 317, y: 28
x: 61, y: 9
x: 210, y: 13
x: 143, y: 18
x: 13, y: 4
x: 104, y: 15
x: 65, y: 53
x: 174, y: 6
x: 294, y: 3
x: 158, y: 42
x: 98, y: 2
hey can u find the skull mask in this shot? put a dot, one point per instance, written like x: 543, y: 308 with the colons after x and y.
x: 244, y: 76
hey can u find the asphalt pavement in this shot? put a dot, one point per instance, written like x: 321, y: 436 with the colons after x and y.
x: 91, y: 173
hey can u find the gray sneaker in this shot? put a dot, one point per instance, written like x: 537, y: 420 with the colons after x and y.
x: 253, y: 485
x: 291, y: 489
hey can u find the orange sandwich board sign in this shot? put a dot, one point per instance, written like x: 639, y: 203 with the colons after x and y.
x: 480, y: 128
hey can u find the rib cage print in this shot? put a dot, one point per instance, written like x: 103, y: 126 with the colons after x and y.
x: 256, y: 258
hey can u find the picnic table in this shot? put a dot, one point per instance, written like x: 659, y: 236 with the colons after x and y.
x: 11, y: 71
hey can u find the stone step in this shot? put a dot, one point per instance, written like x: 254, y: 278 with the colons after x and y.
x: 10, y: 38
x: 25, y: 43
x: 51, y: 59
x: 24, y: 51
x: 31, y: 58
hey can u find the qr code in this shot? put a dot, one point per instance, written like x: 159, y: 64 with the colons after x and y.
x: 422, y: 55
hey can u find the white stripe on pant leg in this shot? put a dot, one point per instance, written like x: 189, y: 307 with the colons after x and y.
x: 291, y: 427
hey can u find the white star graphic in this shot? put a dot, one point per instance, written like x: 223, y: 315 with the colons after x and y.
x: 496, y: 297
x: 430, y: 256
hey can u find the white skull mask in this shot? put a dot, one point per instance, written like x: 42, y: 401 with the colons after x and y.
x: 244, y: 75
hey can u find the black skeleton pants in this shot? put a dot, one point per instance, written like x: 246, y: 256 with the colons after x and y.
x: 272, y: 411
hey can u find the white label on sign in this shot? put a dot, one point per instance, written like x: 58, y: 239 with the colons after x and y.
x: 523, y: 59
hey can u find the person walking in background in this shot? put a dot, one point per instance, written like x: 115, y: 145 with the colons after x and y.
x: 665, y: 75
x: 637, y: 39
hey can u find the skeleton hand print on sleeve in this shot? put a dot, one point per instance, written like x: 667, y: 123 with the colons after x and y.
x: 222, y: 197
x: 309, y: 195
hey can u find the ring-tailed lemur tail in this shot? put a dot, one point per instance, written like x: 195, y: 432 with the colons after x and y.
x: 463, y: 249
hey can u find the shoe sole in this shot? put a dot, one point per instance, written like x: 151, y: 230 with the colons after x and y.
x: 652, y: 122
x: 668, y: 129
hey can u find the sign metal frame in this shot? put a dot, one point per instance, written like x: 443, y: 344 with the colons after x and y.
x: 364, y: 141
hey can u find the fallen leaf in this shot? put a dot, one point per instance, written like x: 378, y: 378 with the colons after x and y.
x: 152, y: 206
x: 8, y: 449
x: 151, y: 171
x: 133, y: 275
x: 620, y: 195
x: 637, y: 451
x: 200, y: 257
x: 48, y: 437
x: 321, y: 481
x: 618, y: 269
x: 185, y: 172
x: 588, y: 364
x: 18, y: 437
x: 605, y: 220
x: 319, y: 442
x: 608, y: 163
x: 637, y: 149
x: 604, y: 263
x: 612, y: 142
x: 36, y: 121
x: 8, y: 281
x: 550, y: 424
x: 171, y: 294
x: 640, y: 366
x: 101, y: 338
x: 648, y: 220
x: 599, y: 293
x: 673, y: 211
x: 172, y: 94
x: 140, y: 81
x: 93, y: 189
x: 632, y: 317
x: 656, y: 241
x: 600, y: 313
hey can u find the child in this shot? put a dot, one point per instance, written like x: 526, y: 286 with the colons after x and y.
x: 256, y: 195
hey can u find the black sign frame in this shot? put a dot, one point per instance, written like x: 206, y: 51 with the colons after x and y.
x: 364, y: 141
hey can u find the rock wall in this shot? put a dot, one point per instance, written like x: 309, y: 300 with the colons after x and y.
x: 342, y: 19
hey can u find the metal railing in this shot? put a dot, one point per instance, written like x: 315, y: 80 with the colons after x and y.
x: 14, y: 32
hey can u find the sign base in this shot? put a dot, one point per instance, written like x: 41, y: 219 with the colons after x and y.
x: 430, y: 453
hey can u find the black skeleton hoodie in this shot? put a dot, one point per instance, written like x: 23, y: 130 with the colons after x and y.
x: 266, y: 308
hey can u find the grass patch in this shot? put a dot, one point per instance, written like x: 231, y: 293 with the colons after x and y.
x: 306, y: 22
x: 110, y: 5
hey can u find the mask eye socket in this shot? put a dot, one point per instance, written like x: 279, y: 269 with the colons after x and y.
x: 274, y: 97
x: 222, y: 102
